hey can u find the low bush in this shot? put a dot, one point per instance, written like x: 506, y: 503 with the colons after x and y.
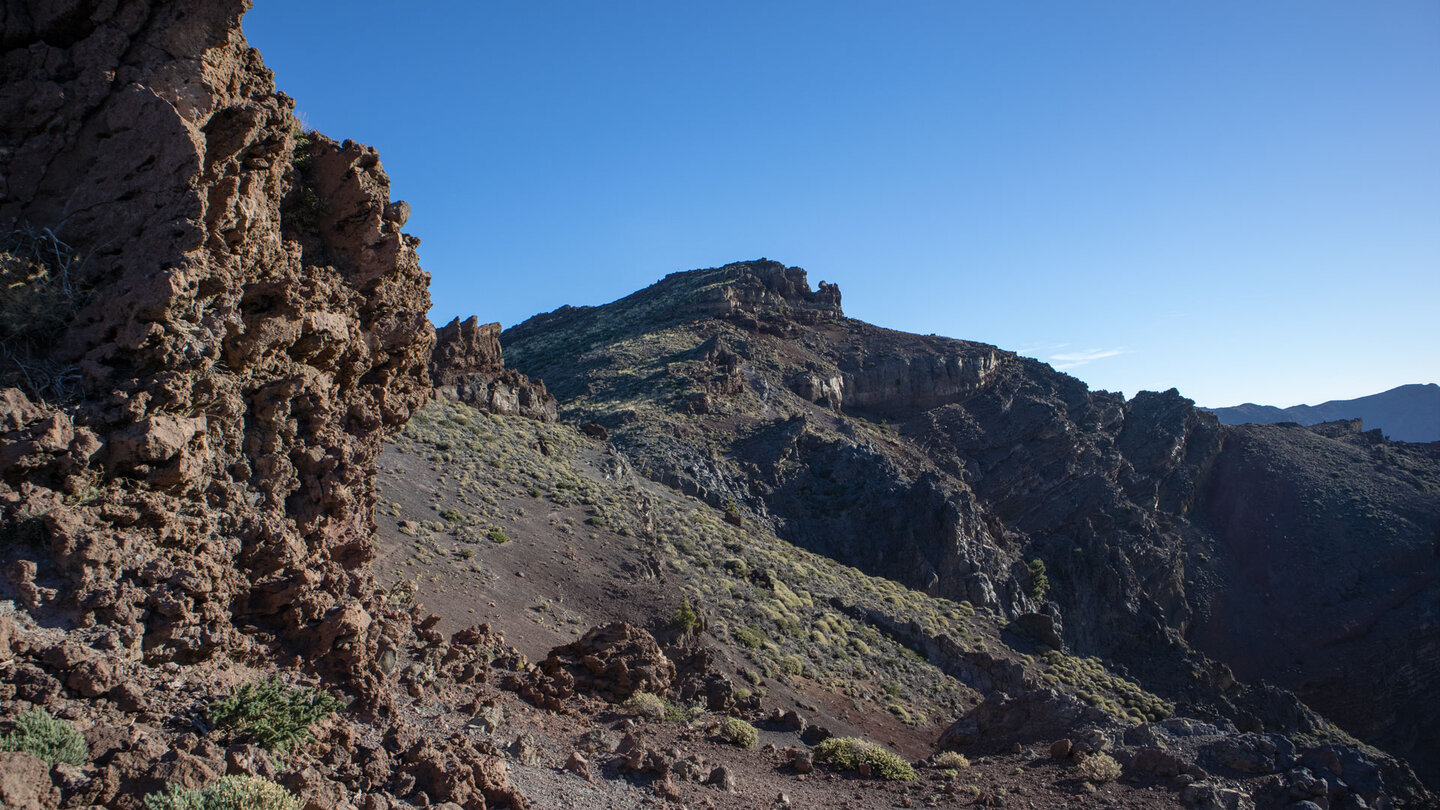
x: 271, y: 714
x: 646, y: 704
x: 793, y: 665
x: 738, y: 732
x: 51, y: 739
x: 230, y: 793
x: 850, y: 753
x: 749, y: 637
x: 950, y: 759
x: 1100, y: 768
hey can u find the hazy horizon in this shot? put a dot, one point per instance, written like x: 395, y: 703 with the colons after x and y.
x: 1238, y: 201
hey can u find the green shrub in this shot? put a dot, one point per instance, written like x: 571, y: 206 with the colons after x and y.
x: 950, y: 759
x: 1100, y: 768
x: 230, y: 793
x: 685, y: 618
x: 750, y: 637
x: 793, y: 665
x: 849, y: 753
x: 273, y: 715
x: 738, y: 732
x: 49, y: 738
x: 497, y: 535
x: 646, y: 704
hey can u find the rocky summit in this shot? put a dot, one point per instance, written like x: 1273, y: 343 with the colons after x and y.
x: 1141, y: 531
x: 270, y: 539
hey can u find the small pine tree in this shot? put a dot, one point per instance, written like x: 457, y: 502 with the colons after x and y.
x: 1039, y: 581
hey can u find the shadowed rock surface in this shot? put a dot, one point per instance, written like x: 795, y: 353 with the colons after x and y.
x: 953, y: 466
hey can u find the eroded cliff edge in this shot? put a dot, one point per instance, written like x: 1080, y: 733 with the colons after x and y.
x: 189, y: 458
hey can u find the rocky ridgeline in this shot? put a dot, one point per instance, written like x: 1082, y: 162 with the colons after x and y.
x: 1140, y: 530
x: 467, y: 367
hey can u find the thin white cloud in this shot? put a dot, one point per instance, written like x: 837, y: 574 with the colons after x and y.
x: 1073, y: 359
x: 1038, y: 349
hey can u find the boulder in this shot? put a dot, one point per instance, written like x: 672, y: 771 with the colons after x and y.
x: 25, y: 783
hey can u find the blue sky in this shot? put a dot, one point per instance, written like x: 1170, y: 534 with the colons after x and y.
x: 1237, y: 199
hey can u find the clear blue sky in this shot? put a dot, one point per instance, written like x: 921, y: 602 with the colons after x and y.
x: 1238, y: 199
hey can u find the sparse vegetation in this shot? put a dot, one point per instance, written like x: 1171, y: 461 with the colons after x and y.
x: 272, y: 714
x: 951, y: 759
x: 749, y: 637
x: 497, y: 535
x: 789, y: 613
x: 647, y: 704
x: 855, y: 754
x: 1102, y: 689
x: 1100, y: 767
x: 49, y: 738
x: 738, y: 732
x: 38, y: 298
x: 229, y: 793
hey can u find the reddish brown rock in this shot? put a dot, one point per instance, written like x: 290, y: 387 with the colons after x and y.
x: 243, y: 326
x: 453, y: 771
x: 467, y: 366
x: 25, y: 783
x: 614, y: 661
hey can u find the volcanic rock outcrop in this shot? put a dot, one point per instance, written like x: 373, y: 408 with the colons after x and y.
x: 243, y: 324
x: 1157, y: 538
x: 467, y: 366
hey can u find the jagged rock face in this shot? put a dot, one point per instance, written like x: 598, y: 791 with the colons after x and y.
x: 951, y: 466
x: 614, y: 661
x: 1328, y: 539
x: 250, y: 327
x: 467, y: 366
x: 463, y: 348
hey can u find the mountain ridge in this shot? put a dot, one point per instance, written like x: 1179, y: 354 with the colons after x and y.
x: 953, y: 466
x: 217, y: 514
x: 1409, y: 413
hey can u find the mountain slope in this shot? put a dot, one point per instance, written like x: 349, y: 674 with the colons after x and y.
x: 1408, y: 413
x: 1132, y: 527
x: 544, y: 532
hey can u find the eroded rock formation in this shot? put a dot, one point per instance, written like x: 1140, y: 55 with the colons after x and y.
x: 614, y: 661
x: 245, y: 325
x: 467, y: 366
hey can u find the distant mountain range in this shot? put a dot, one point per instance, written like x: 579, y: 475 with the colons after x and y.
x: 1409, y: 413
